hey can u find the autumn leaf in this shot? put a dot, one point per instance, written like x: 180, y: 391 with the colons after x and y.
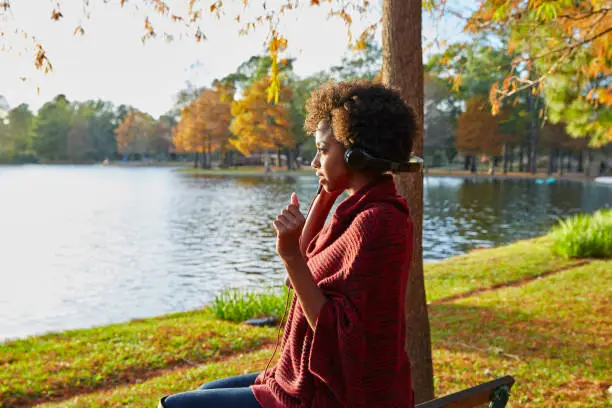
x: 41, y: 61
x: 79, y: 30
x: 148, y: 27
x: 56, y: 15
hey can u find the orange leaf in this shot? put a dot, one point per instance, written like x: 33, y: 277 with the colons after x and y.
x: 56, y: 15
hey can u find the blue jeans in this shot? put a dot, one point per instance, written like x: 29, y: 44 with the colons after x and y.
x: 231, y: 392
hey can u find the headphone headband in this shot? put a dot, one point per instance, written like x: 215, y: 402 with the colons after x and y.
x: 358, y: 159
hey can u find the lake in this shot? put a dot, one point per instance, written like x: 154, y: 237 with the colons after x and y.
x: 84, y: 246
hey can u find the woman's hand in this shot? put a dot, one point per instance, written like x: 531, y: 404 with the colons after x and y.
x: 288, y: 226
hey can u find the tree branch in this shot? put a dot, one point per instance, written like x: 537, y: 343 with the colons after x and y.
x: 570, y: 47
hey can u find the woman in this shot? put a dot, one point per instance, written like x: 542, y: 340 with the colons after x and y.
x: 343, y: 344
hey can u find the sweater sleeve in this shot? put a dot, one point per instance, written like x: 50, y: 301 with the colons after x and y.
x: 372, y: 263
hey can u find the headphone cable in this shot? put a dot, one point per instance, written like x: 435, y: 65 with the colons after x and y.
x: 288, y: 293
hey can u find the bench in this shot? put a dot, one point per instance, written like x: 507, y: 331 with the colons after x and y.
x: 495, y: 393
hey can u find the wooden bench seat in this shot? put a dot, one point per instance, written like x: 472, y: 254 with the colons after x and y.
x: 493, y: 394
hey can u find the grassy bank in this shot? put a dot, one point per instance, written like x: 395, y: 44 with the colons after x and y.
x: 518, y: 309
x: 436, y: 172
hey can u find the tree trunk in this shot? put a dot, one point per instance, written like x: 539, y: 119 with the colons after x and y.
x: 560, y: 161
x: 466, y: 162
x: 289, y: 153
x: 209, y: 152
x: 506, y: 153
x: 196, y: 159
x: 512, y: 152
x: 403, y: 68
x: 533, y: 132
x: 551, y: 158
x: 581, y: 161
x: 521, y: 166
x: 267, y: 161
x: 569, y: 161
x: 528, y: 154
x: 296, y: 154
x: 589, y: 163
x: 473, y: 164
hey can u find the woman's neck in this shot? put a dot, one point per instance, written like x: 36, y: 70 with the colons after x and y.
x: 360, y: 180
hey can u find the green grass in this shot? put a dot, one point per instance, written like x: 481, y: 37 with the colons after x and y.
x: 584, y: 236
x: 550, y: 333
x: 147, y: 393
x: 239, y: 305
x: 56, y: 365
x: 485, y: 268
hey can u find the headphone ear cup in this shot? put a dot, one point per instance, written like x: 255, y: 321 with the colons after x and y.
x: 354, y: 159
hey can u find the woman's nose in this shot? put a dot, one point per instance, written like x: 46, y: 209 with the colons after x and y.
x: 315, y: 164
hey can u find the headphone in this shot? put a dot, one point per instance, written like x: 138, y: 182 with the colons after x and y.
x: 358, y: 159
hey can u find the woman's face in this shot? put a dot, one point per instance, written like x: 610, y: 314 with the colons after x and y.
x: 329, y: 162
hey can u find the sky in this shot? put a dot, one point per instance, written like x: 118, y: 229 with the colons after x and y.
x: 111, y: 63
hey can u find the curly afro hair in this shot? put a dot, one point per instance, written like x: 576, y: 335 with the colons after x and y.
x: 365, y: 115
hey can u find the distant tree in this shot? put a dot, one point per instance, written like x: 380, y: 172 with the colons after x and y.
x: 478, y: 131
x: 204, y: 123
x: 53, y: 123
x: 134, y: 134
x: 258, y: 124
x: 20, y: 131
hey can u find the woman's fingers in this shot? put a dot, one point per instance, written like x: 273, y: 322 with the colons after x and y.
x: 293, y: 210
x: 289, y: 221
x: 279, y: 226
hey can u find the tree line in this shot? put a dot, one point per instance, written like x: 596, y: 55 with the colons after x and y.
x: 233, y: 118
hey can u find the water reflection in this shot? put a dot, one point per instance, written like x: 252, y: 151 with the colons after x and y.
x: 87, y: 246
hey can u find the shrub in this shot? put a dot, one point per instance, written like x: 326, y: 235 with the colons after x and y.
x: 239, y: 305
x: 584, y: 236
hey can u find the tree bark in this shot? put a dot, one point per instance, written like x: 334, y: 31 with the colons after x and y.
x: 528, y: 154
x: 403, y: 69
x: 506, y: 154
x: 289, y: 153
x: 466, y: 163
x: 533, y: 132
x: 195, y: 160
x: 581, y: 161
x: 209, y: 155
x: 473, y: 167
x: 521, y: 165
x: 551, y: 158
x: 560, y: 161
x: 589, y: 163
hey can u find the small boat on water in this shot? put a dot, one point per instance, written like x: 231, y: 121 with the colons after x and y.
x: 605, y: 180
x: 549, y: 180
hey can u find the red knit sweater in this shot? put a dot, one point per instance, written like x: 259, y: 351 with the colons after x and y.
x: 355, y: 356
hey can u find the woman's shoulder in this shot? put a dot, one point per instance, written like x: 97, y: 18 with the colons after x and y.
x: 381, y: 212
x: 380, y: 219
